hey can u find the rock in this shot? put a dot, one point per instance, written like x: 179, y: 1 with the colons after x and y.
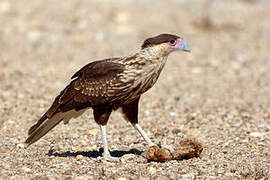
x: 230, y: 116
x: 20, y: 146
x: 128, y: 157
x: 188, y: 176
x: 93, y: 132
x: 79, y: 157
x: 93, y: 147
x: 6, y: 166
x: 122, y: 178
x: 129, y: 140
x: 61, y: 165
x: 176, y: 131
x: 267, y: 153
x: 191, y: 116
x: 152, y: 170
x: 256, y: 134
x: 159, y: 132
x: 2, y: 150
x: 26, y: 170
x: 172, y: 114
x: 186, y: 149
x: 80, y: 177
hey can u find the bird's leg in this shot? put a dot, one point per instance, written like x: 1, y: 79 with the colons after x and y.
x: 130, y: 112
x: 150, y: 143
x: 101, y: 115
x: 106, y: 154
x: 144, y: 135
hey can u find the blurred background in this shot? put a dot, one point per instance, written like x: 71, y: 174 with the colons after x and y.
x: 222, y: 84
x: 47, y: 41
x: 42, y: 43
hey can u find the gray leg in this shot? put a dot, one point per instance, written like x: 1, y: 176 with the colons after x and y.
x: 106, y: 154
x: 144, y: 135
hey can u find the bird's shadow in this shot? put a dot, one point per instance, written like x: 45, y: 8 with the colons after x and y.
x: 94, y: 154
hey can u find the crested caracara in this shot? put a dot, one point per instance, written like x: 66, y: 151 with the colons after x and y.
x: 108, y: 85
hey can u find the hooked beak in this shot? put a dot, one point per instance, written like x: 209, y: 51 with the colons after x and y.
x: 186, y: 47
x: 182, y: 45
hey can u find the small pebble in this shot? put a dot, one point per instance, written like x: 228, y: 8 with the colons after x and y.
x: 152, y: 170
x: 176, y: 131
x: 256, y: 134
x: 230, y: 116
x: 122, y: 178
x: 26, y: 169
x: 93, y: 132
x: 79, y: 157
x: 20, y: 146
x: 128, y: 157
x: 129, y: 140
x: 2, y: 150
x: 188, y: 176
x: 172, y: 114
x: 191, y: 116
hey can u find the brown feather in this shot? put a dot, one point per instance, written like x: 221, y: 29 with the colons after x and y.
x: 97, y: 68
x: 162, y: 38
x: 77, y: 96
x: 43, y: 128
x: 35, y: 126
x: 106, y: 85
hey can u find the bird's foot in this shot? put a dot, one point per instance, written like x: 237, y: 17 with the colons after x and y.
x: 109, y: 158
x: 170, y: 148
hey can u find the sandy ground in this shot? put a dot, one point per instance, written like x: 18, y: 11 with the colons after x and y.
x: 219, y: 94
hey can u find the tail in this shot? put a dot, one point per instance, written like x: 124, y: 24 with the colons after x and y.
x: 43, y: 126
x: 63, y: 108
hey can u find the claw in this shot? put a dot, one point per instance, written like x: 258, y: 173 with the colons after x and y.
x: 109, y: 158
x: 170, y: 148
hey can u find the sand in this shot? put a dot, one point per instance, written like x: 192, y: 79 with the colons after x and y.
x: 218, y: 95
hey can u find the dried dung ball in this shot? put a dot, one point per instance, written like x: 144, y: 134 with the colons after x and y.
x: 158, y: 154
x: 187, y: 148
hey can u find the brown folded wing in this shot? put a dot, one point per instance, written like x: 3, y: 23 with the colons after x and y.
x: 94, y: 84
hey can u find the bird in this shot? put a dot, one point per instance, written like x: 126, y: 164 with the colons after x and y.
x: 110, y: 84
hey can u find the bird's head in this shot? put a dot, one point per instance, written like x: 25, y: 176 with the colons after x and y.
x: 164, y: 44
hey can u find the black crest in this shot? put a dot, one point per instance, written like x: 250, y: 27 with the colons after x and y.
x: 162, y: 38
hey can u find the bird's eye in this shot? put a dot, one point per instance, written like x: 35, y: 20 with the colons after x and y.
x: 172, y: 42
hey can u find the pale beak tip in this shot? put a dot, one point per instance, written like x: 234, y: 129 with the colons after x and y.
x: 186, y: 47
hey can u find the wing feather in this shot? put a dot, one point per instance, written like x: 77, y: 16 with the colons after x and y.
x: 89, y: 87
